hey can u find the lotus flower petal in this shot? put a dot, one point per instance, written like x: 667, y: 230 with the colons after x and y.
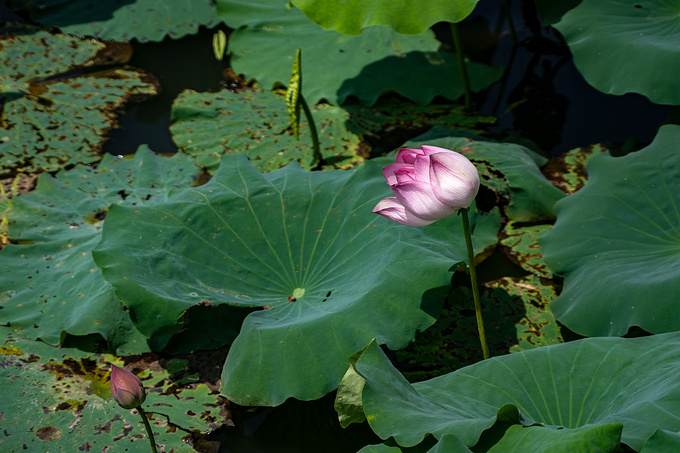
x: 391, y: 208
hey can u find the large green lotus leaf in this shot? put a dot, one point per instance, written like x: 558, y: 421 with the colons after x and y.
x: 123, y: 20
x: 622, y: 47
x: 49, y: 284
x: 505, y: 168
x: 55, y: 114
x: 538, y: 439
x: 661, y: 441
x: 208, y: 125
x: 336, y: 66
x: 617, y: 242
x: 351, y: 17
x: 327, y: 273
x: 59, y: 399
x: 590, y: 382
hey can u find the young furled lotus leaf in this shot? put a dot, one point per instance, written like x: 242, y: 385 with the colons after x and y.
x: 124, y: 20
x: 57, y: 105
x: 622, y: 47
x: 267, y: 34
x: 617, y: 242
x: 619, y: 390
x: 49, y: 285
x: 304, y: 247
x: 60, y: 397
x: 351, y: 17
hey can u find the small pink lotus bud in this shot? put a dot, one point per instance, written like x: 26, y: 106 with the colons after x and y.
x: 429, y: 184
x: 126, y: 388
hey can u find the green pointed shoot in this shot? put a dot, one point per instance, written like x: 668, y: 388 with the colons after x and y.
x: 219, y: 44
x: 294, y: 100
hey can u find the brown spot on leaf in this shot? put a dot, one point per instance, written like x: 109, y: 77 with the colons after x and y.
x: 48, y: 433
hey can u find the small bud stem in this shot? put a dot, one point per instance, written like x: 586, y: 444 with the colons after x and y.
x: 473, y: 280
x: 148, y: 428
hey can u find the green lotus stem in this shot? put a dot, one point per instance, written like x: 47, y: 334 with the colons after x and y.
x: 506, y: 7
x: 318, y: 159
x: 148, y: 428
x: 473, y: 280
x: 462, y: 66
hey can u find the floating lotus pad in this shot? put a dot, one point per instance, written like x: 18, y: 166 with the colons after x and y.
x: 61, y: 398
x: 123, y: 20
x: 52, y: 117
x: 49, y: 285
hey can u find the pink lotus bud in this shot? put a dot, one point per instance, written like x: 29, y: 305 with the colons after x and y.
x: 126, y: 388
x: 429, y: 184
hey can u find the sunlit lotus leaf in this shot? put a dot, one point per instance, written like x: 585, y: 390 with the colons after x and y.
x: 622, y: 47
x: 123, y: 20
x: 256, y: 122
x: 209, y: 125
x: 304, y: 247
x: 617, y: 242
x: 522, y: 247
x: 49, y: 284
x: 410, y: 17
x: 568, y: 171
x: 594, y: 382
x: 268, y: 33
x: 57, y: 104
x: 507, y: 169
x: 59, y: 399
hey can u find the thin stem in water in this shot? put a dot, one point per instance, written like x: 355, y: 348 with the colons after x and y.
x: 462, y: 65
x: 148, y: 428
x: 473, y: 280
